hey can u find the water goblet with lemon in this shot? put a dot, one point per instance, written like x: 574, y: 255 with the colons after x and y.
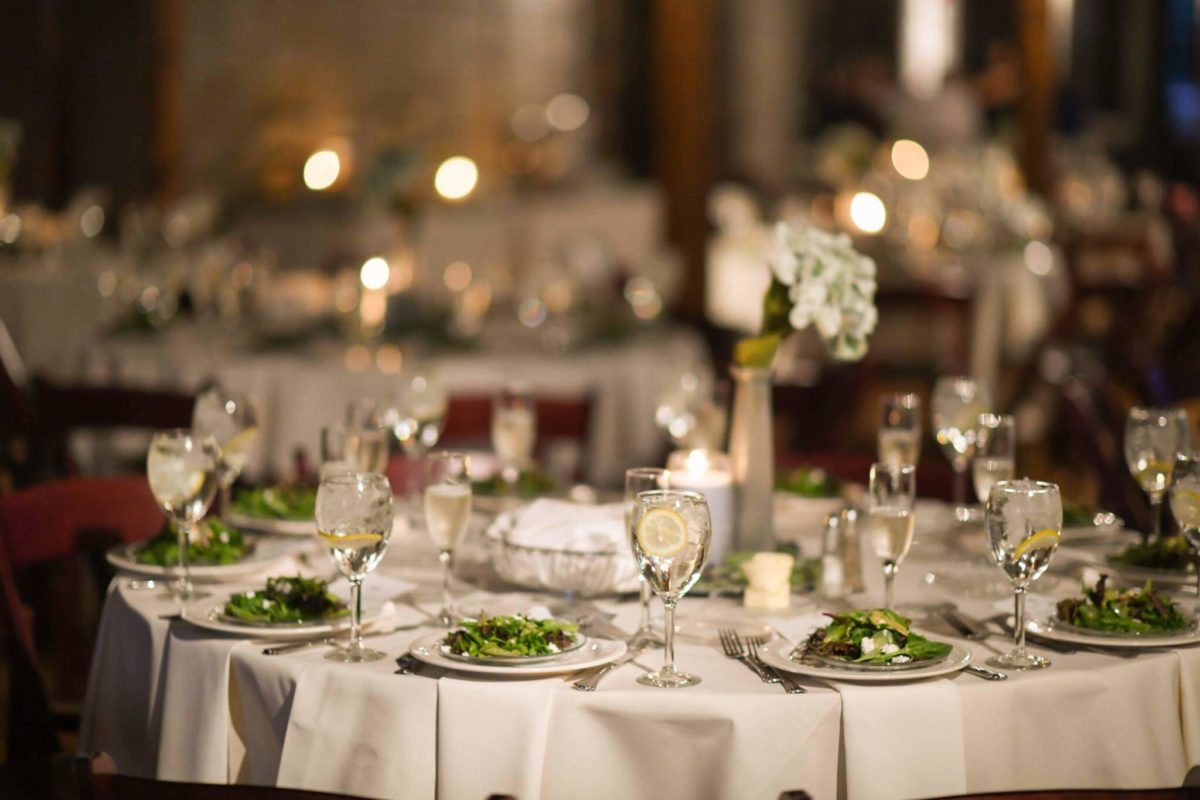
x: 182, y: 467
x: 1024, y: 525
x: 671, y: 533
x: 1185, y: 505
x: 354, y: 522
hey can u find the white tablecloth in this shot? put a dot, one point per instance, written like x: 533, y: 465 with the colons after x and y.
x: 171, y: 701
x: 297, y: 393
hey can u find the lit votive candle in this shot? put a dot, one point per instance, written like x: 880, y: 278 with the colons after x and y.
x: 769, y: 576
x: 709, y: 473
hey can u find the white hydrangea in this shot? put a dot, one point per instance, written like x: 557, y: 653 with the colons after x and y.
x: 830, y: 285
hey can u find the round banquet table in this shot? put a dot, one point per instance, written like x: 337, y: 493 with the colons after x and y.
x: 170, y: 700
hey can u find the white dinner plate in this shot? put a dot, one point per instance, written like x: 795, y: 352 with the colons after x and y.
x: 1046, y: 629
x: 265, y: 554
x: 281, y: 527
x: 594, y: 653
x: 1095, y: 554
x: 776, y: 654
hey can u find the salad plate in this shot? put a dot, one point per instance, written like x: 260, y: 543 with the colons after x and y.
x: 279, y: 527
x: 1056, y: 631
x: 511, y: 640
x: 261, y: 555
x: 778, y: 654
x: 592, y: 653
x: 282, y: 510
x: 1118, y: 618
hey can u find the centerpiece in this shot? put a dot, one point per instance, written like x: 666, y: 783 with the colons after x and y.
x: 817, y: 278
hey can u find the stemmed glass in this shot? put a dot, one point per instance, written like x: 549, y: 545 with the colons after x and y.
x: 447, y: 512
x: 229, y: 418
x: 514, y: 430
x: 1153, y: 436
x: 891, y: 494
x: 1024, y: 524
x: 352, y: 448
x: 1185, y: 505
x: 900, y: 429
x: 638, y: 480
x: 354, y: 521
x: 420, y: 414
x: 957, y: 403
x: 183, y: 468
x: 670, y: 536
x: 995, y: 452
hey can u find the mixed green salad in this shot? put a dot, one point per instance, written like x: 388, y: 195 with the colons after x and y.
x: 530, y: 483
x: 1122, y: 610
x: 876, y: 636
x: 511, y: 637
x: 809, y: 482
x: 217, y: 544
x: 287, y: 600
x: 1169, y: 552
x: 729, y: 577
x: 277, y: 502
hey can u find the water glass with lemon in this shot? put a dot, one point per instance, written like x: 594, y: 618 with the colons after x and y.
x: 183, y: 467
x: 1153, y: 436
x: 1185, y: 505
x: 1024, y: 525
x: 229, y: 418
x: 354, y: 522
x: 447, y: 513
x: 671, y: 533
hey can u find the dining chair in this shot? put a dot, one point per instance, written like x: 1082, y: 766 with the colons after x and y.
x: 52, y: 542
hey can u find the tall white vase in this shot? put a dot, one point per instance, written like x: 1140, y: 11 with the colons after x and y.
x: 752, y: 452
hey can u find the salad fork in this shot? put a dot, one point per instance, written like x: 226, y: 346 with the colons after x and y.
x: 734, y: 648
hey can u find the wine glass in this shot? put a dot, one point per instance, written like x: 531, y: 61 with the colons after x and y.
x: 900, y: 429
x: 1152, y: 438
x: 670, y: 536
x: 957, y: 403
x: 183, y: 468
x: 995, y: 452
x: 638, y: 480
x: 891, y: 494
x: 351, y: 448
x: 1185, y: 505
x: 447, y: 512
x: 230, y: 419
x: 354, y: 522
x: 1024, y: 524
x: 514, y: 430
x: 420, y: 413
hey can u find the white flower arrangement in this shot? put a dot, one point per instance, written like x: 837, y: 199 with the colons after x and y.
x: 818, y: 278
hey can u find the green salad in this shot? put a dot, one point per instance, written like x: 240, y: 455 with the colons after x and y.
x: 1170, y: 552
x: 277, y: 502
x: 511, y: 637
x: 530, y: 483
x: 809, y: 482
x: 729, y: 577
x: 287, y: 600
x: 1122, y: 610
x: 873, y: 636
x: 217, y: 544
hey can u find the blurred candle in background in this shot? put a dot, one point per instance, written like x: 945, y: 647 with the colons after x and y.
x: 709, y: 473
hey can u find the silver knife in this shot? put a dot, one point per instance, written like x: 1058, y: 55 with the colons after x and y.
x: 291, y: 647
x: 589, y: 683
x: 969, y: 628
x: 985, y: 673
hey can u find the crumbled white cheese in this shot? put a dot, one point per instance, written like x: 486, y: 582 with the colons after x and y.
x: 867, y: 645
x: 552, y: 647
x: 889, y: 648
x: 901, y: 659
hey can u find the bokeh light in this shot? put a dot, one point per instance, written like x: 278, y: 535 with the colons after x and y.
x: 375, y: 273
x: 321, y: 170
x: 867, y: 212
x: 910, y: 159
x: 456, y: 178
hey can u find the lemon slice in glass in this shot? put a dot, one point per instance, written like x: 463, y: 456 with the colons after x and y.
x: 662, y: 533
x: 242, y: 441
x: 1043, y: 538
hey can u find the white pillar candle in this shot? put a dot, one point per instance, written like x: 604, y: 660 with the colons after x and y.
x: 708, y: 472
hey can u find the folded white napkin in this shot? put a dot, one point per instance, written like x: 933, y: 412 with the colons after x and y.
x: 559, y: 525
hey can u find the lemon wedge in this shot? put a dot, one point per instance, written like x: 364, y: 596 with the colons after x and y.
x: 1043, y: 538
x: 242, y: 441
x: 350, y: 539
x: 662, y: 533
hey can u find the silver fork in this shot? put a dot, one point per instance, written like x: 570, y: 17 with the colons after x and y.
x: 588, y: 683
x: 735, y: 649
x: 787, y: 681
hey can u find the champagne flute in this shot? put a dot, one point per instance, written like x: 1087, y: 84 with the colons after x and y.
x: 900, y: 429
x: 352, y: 448
x: 354, y: 522
x: 1024, y: 525
x: 447, y: 512
x: 230, y: 419
x: 957, y: 403
x: 638, y: 480
x: 183, y: 468
x: 1185, y: 505
x: 1152, y: 438
x: 514, y: 430
x: 995, y: 452
x: 891, y: 494
x: 670, y: 536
